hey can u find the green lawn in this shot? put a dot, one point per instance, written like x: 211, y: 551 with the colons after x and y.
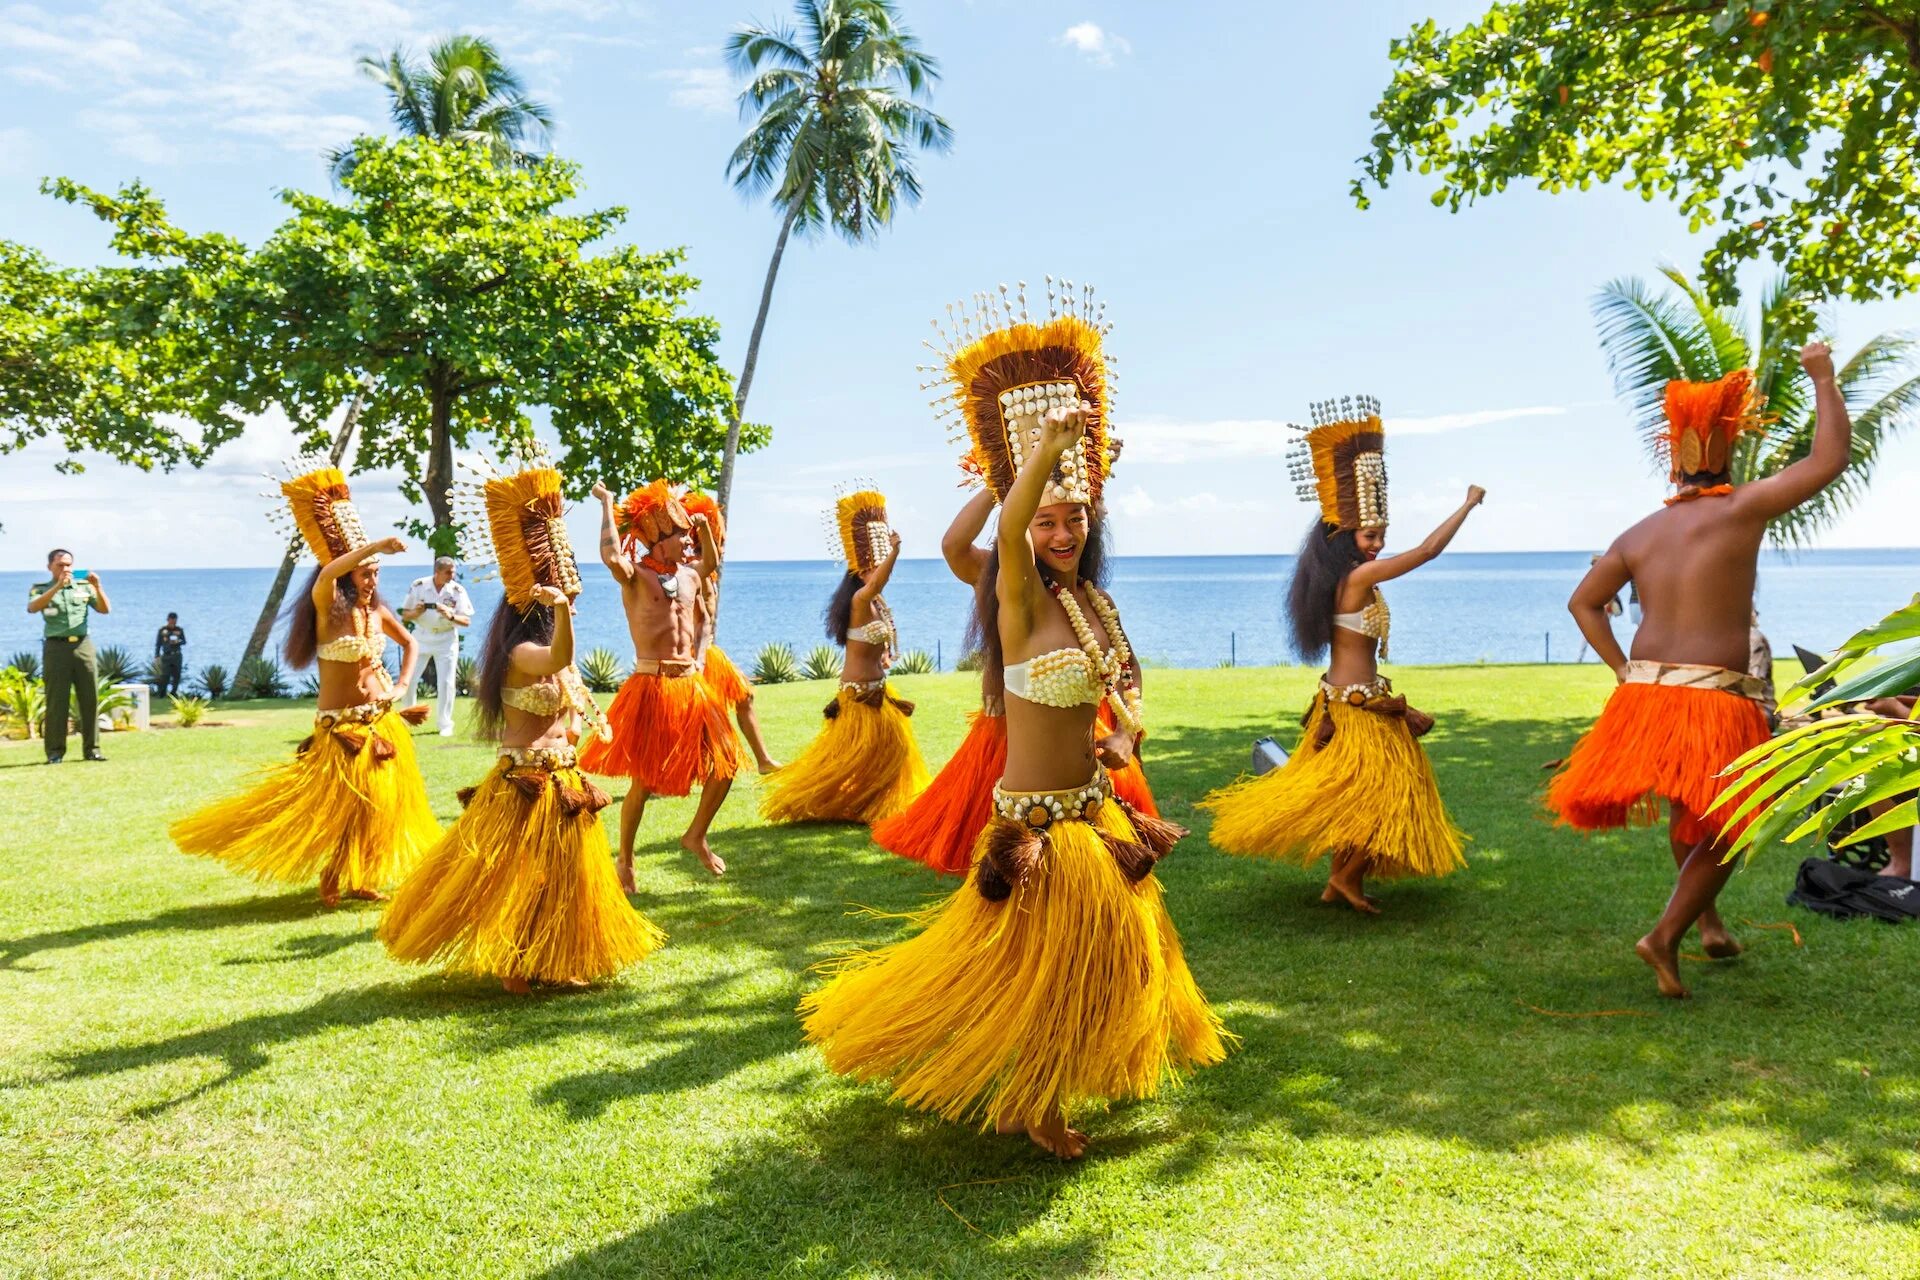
x: 203, y: 1077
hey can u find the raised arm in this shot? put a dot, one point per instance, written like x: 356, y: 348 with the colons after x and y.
x: 1060, y: 430
x: 1832, y: 445
x: 877, y: 580
x: 1602, y: 585
x: 547, y: 659
x: 1387, y: 568
x: 966, y: 560
x: 709, y: 562
x: 610, y: 553
x: 99, y: 601
x: 333, y: 570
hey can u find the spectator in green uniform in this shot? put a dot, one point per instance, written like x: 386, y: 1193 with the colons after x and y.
x: 66, y: 654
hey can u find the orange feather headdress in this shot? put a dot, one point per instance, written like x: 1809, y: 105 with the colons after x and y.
x: 650, y: 513
x: 1703, y: 419
x: 704, y: 504
x: 1003, y: 370
x: 320, y: 508
x: 1340, y: 463
x: 525, y: 519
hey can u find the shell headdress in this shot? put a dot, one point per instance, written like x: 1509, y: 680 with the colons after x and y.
x: 857, y: 528
x: 1002, y: 369
x: 524, y: 516
x: 319, y: 506
x: 1340, y: 462
x: 1703, y: 419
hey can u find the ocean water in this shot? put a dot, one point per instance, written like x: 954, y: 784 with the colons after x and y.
x: 1179, y: 611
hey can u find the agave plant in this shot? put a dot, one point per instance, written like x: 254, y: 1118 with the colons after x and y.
x: 260, y: 677
x: 914, y: 662
x: 212, y: 682
x: 1867, y: 758
x: 776, y: 665
x: 23, y: 702
x: 113, y: 664
x: 26, y: 662
x: 187, y: 712
x: 1651, y: 335
x: 310, y: 687
x: 466, y: 677
x: 110, y: 698
x: 823, y: 663
x: 601, y: 670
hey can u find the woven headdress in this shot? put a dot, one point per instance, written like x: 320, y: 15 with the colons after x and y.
x: 704, y: 504
x: 1340, y: 462
x: 651, y: 513
x: 1703, y: 419
x: 526, y: 528
x: 857, y: 528
x: 320, y: 507
x: 1003, y: 370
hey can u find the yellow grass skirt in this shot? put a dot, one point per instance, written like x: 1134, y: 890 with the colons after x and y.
x: 521, y: 887
x: 862, y: 766
x: 350, y: 809
x: 1369, y: 789
x: 1072, y: 989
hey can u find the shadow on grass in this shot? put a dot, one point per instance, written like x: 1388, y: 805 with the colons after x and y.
x: 314, y: 946
x: 277, y: 909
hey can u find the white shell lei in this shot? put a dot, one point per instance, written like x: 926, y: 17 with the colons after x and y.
x: 1111, y: 667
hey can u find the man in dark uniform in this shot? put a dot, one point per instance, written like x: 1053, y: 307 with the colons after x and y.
x: 66, y: 655
x: 167, y: 657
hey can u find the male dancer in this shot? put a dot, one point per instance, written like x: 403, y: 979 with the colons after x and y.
x: 1685, y: 707
x: 669, y: 730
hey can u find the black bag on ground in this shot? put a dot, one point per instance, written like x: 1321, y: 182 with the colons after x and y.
x: 1843, y: 892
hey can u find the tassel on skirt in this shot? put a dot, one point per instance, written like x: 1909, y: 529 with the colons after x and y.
x: 349, y: 808
x: 521, y: 886
x: 863, y: 765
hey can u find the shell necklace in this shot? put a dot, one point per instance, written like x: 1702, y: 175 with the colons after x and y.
x: 1112, y: 667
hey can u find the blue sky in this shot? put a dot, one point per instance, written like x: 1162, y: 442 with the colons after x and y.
x: 1191, y: 161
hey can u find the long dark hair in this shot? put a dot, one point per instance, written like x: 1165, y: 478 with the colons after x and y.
x: 1327, y: 556
x: 839, y: 612
x: 983, y: 629
x: 303, y: 620
x: 509, y: 627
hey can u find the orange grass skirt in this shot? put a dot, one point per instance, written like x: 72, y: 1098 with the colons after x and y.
x: 1651, y: 743
x: 1130, y: 783
x: 666, y: 733
x: 725, y: 679
x: 939, y: 828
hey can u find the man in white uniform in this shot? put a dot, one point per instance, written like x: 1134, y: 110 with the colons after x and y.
x: 438, y: 607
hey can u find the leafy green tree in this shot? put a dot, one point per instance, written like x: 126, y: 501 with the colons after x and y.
x: 839, y: 113
x: 463, y: 92
x: 1651, y: 335
x: 1787, y: 123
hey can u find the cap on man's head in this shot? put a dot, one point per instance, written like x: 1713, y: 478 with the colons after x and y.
x: 173, y: 617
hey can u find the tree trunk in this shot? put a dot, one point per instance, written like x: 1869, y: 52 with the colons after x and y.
x: 263, y: 627
x: 725, y: 495
x: 439, y: 477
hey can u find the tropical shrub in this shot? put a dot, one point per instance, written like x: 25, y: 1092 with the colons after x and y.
x: 211, y: 684
x: 971, y: 660
x: 914, y: 662
x: 310, y: 687
x: 466, y: 677
x: 188, y: 711
x: 111, y: 700
x: 823, y: 663
x: 114, y: 664
x: 776, y: 665
x: 261, y: 677
x: 23, y: 703
x: 602, y: 671
x: 26, y: 662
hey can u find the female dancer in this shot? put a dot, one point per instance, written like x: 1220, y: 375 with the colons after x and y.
x: 1053, y: 976
x: 350, y: 806
x: 722, y: 676
x: 939, y: 827
x: 1359, y: 785
x: 864, y: 764
x: 521, y: 887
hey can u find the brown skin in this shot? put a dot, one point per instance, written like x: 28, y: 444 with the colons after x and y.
x: 1354, y: 660
x: 60, y: 566
x: 863, y: 659
x: 665, y: 628
x: 743, y: 713
x: 1694, y: 564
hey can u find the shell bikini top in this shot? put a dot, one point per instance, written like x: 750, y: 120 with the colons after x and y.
x: 874, y: 633
x: 365, y: 643
x: 1376, y: 620
x: 549, y: 695
x: 1061, y: 678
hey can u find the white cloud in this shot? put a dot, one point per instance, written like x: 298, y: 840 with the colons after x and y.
x: 1137, y: 502
x: 1099, y: 45
x: 1151, y: 440
x: 699, y: 88
x: 16, y: 150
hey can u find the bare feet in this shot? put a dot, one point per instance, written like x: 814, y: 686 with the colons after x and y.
x: 573, y: 984
x: 1052, y: 1134
x: 1719, y: 943
x: 1665, y: 963
x: 1351, y: 896
x: 329, y: 896
x: 768, y: 766
x: 624, y: 869
x: 703, y: 851
x: 367, y: 895
x: 515, y: 986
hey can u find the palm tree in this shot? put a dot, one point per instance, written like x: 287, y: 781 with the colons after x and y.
x: 1652, y: 334
x: 463, y: 92
x: 838, y: 116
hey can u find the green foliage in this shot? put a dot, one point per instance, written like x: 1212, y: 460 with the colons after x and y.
x: 466, y: 677
x: 261, y: 677
x: 23, y: 702
x: 462, y: 92
x: 971, y: 660
x: 108, y: 699
x: 211, y: 683
x: 1860, y: 667
x: 602, y: 671
x: 823, y: 662
x: 1789, y: 126
x: 1652, y: 335
x: 776, y: 665
x: 26, y: 662
x: 187, y: 712
x: 114, y: 664
x: 914, y: 662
